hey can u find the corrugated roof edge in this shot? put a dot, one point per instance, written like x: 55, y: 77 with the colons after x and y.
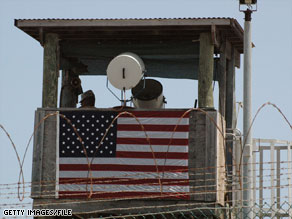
x: 123, y: 22
x: 94, y: 19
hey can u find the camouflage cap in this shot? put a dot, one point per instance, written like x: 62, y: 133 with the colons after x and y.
x: 87, y: 94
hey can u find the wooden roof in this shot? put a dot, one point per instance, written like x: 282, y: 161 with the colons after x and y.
x: 126, y: 30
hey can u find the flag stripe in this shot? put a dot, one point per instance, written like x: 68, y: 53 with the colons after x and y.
x: 155, y: 148
x: 150, y: 134
x: 132, y: 161
x: 125, y: 181
x: 122, y: 188
x: 113, y: 167
x: 151, y: 121
x: 158, y: 155
x: 123, y: 174
x: 155, y: 114
x: 154, y: 141
x: 124, y: 195
x: 156, y: 127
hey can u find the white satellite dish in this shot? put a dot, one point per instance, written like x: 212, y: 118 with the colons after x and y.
x: 125, y: 71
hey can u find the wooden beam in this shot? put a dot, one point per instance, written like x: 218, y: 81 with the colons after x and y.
x: 41, y: 36
x: 222, y: 79
x: 146, y: 32
x: 130, y: 37
x: 228, y: 47
x: 51, y: 71
x: 205, y: 76
x: 230, y: 92
x: 215, y: 35
x: 237, y: 58
x: 230, y: 116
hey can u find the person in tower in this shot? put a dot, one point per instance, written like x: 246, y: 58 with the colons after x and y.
x: 87, y: 99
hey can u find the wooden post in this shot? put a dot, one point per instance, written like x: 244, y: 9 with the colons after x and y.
x: 205, y: 76
x: 222, y: 102
x: 51, y: 71
x: 68, y: 94
x: 222, y: 79
x: 230, y: 92
x: 230, y: 116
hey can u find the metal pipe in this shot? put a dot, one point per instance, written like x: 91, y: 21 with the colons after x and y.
x: 237, y: 195
x: 247, y: 119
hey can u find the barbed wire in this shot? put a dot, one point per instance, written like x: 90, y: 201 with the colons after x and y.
x: 108, y: 180
x: 92, y: 180
x: 50, y: 192
x: 189, y: 169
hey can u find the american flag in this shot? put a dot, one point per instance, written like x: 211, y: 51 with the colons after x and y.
x: 124, y: 164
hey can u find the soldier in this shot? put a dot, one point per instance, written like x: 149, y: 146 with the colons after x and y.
x: 87, y: 99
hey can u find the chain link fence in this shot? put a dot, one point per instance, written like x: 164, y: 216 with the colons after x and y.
x: 233, y: 212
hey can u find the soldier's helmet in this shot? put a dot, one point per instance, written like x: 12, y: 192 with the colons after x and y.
x: 86, y: 95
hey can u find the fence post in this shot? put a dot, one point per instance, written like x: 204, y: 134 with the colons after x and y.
x: 272, y: 150
x: 289, y: 176
x: 253, y: 169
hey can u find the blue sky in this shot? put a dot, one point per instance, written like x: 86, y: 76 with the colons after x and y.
x: 21, y: 63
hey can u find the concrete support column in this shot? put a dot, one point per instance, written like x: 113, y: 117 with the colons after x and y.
x: 206, y: 67
x: 50, y: 71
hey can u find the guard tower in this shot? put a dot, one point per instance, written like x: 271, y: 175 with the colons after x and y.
x: 189, y: 169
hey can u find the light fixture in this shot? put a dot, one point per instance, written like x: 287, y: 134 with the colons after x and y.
x: 247, y: 5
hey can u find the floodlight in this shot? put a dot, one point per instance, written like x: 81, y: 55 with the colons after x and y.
x: 245, y: 5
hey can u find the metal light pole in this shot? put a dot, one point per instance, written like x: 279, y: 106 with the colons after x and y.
x: 247, y: 119
x: 247, y: 113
